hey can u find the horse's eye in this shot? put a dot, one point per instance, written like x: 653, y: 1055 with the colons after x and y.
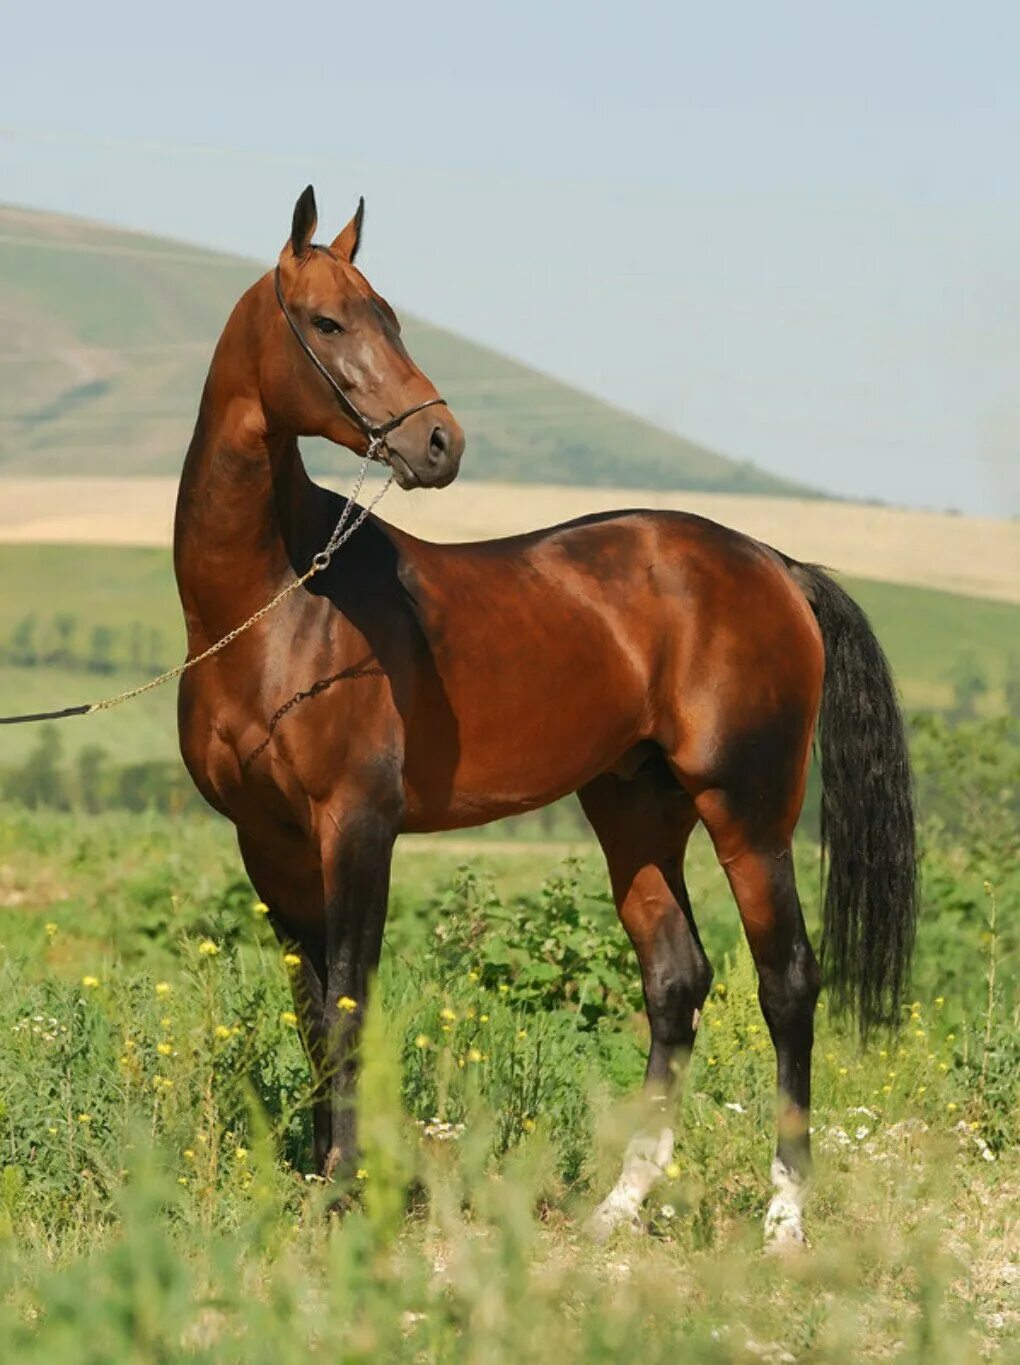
x: 326, y: 326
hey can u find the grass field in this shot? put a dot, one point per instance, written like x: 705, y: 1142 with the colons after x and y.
x: 108, y: 336
x: 926, y: 634
x: 154, y: 1203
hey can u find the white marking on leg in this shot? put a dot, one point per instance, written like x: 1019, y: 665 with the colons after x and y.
x: 644, y: 1164
x: 783, y: 1227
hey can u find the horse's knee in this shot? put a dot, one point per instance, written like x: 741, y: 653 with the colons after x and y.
x: 676, y: 987
x: 788, y: 995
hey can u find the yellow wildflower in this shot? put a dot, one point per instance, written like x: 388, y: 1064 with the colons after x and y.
x: 522, y: 1033
x: 288, y: 1017
x: 260, y: 908
x: 182, y: 1180
x: 951, y: 1106
x: 503, y: 988
x: 52, y: 1132
x: 163, y: 988
x: 84, y: 1118
x: 90, y: 982
x: 528, y: 1125
x: 673, y: 1170
x: 291, y: 960
x: 483, y: 1018
x: 921, y: 1089
x: 423, y: 1041
x: 207, y: 948
x: 240, y: 1153
x: 472, y: 976
x: 189, y: 1154
x: 361, y: 1173
x: 164, y: 1049
x: 940, y: 1000
x: 347, y: 1003
x: 166, y: 1022
x: 474, y: 1055
x: 712, y: 1061
x: 51, y: 929
x: 448, y: 1014
x: 221, y: 1031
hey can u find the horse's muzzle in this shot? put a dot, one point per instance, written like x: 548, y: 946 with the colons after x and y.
x: 429, y: 455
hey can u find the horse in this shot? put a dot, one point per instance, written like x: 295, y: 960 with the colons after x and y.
x: 667, y: 669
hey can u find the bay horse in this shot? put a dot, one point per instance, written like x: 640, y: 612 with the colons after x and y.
x: 665, y: 668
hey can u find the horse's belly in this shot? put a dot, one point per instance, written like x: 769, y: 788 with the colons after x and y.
x: 515, y: 750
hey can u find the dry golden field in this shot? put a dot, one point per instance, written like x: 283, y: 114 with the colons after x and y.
x: 975, y: 556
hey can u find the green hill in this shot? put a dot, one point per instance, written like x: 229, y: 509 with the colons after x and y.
x: 105, y: 337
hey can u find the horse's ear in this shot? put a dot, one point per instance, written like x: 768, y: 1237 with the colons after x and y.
x: 347, y: 243
x: 305, y: 218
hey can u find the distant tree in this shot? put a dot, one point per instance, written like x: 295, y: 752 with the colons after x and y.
x: 65, y: 624
x: 90, y: 778
x: 155, y: 662
x: 24, y: 650
x: 1013, y: 686
x: 136, y: 646
x: 100, y: 658
x: 970, y: 684
x: 40, y: 779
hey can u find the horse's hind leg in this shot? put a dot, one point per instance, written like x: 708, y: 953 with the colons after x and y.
x: 756, y: 856
x: 643, y: 826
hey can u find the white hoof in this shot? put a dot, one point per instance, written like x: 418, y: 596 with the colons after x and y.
x: 784, y: 1231
x: 610, y: 1215
x: 643, y: 1167
x: 783, y: 1228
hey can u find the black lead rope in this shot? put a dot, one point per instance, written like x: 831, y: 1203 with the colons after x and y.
x: 375, y: 432
x: 47, y: 715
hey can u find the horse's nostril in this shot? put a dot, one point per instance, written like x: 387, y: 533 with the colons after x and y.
x: 439, y: 444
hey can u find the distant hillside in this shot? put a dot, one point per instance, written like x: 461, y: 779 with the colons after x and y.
x: 105, y: 337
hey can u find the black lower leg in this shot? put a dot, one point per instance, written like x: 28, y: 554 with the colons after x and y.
x: 788, y: 995
x: 676, y: 976
x: 357, y: 885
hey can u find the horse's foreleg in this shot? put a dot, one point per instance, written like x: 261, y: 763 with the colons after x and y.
x: 356, y: 876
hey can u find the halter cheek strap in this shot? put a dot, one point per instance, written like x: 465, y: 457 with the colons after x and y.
x: 374, y: 432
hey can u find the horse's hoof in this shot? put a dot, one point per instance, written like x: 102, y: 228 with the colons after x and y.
x: 784, y: 1233
x: 608, y: 1217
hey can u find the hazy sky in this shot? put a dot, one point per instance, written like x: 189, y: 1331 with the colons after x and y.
x: 791, y: 231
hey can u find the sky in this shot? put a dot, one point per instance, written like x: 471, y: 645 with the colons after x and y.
x: 790, y: 231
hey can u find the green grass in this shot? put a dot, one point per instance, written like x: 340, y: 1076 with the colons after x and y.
x: 925, y: 633
x: 154, y: 1131
x: 129, y: 407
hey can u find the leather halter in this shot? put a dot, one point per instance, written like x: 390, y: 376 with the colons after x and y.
x: 375, y: 432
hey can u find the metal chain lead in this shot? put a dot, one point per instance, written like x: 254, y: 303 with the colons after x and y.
x: 342, y: 533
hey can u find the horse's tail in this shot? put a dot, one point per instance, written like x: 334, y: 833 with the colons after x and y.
x: 868, y: 830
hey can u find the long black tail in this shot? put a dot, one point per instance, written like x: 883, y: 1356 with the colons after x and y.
x: 868, y: 829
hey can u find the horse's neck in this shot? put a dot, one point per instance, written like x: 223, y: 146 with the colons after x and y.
x: 242, y: 511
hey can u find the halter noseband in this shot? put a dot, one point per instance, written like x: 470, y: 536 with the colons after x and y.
x: 374, y: 432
